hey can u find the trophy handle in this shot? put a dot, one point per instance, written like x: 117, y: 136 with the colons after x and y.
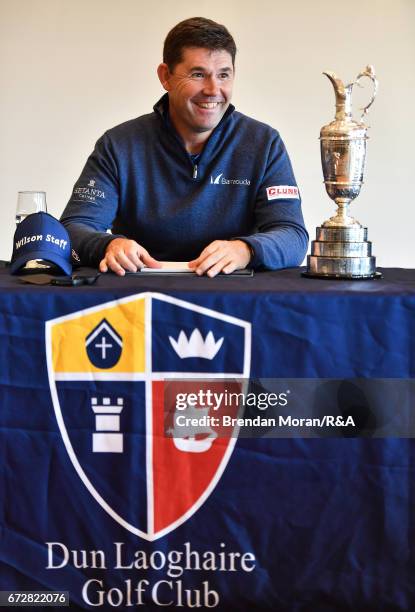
x: 368, y: 72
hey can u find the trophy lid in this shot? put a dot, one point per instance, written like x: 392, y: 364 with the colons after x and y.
x: 344, y: 126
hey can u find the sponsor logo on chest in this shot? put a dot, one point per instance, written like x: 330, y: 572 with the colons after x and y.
x: 221, y: 180
x: 282, y: 192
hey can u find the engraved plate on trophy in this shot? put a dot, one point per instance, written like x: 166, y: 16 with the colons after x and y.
x: 341, y: 249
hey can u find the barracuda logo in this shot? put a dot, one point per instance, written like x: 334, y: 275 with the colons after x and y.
x: 221, y: 180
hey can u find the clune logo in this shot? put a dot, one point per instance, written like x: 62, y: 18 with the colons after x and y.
x: 282, y: 192
x: 221, y: 180
x: 109, y: 369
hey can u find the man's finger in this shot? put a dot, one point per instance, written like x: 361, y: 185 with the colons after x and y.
x: 103, y: 266
x: 132, y: 253
x: 195, y: 262
x: 209, y: 261
x: 149, y: 261
x: 229, y: 268
x: 124, y: 261
x: 218, y: 267
x: 114, y: 265
x: 207, y: 251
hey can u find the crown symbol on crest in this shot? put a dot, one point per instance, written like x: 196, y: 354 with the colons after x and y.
x: 196, y: 346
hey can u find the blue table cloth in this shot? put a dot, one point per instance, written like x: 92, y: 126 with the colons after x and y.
x: 257, y: 523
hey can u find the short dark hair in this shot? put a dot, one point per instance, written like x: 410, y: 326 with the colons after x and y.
x: 196, y: 32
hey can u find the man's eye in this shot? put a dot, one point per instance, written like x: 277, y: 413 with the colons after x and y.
x: 197, y: 75
x: 224, y: 75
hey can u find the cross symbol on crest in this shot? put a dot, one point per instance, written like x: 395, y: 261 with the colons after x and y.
x: 103, y: 346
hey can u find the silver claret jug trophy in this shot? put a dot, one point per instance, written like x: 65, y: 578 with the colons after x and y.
x: 341, y: 249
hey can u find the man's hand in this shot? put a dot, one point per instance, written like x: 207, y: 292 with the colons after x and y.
x: 122, y: 254
x: 222, y: 256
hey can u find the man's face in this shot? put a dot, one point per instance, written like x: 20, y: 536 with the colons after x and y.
x: 200, y: 89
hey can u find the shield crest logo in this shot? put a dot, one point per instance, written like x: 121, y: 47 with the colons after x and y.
x: 108, y: 368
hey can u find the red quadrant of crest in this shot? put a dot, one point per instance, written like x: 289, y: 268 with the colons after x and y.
x: 180, y: 478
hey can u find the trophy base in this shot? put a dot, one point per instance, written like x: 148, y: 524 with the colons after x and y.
x: 344, y: 221
x: 374, y: 276
x: 341, y: 253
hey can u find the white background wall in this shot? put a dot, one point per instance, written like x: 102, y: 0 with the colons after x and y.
x: 70, y: 69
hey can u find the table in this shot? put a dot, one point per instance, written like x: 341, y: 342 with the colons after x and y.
x: 316, y: 523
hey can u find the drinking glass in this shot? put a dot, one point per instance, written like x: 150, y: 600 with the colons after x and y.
x: 29, y: 202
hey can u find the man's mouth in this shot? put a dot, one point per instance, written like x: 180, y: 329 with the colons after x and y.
x: 208, y: 105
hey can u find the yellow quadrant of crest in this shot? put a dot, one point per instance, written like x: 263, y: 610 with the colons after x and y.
x: 69, y: 339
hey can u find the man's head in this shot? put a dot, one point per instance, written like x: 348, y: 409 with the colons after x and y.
x: 196, y: 32
x: 197, y: 72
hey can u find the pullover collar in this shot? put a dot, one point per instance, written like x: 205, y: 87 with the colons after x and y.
x: 161, y: 108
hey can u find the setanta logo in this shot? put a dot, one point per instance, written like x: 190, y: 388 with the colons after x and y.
x: 109, y: 368
x: 89, y: 193
x: 282, y: 192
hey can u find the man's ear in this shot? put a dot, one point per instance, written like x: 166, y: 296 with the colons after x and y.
x: 163, y: 74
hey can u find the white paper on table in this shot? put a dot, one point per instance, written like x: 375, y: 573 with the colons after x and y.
x: 170, y: 266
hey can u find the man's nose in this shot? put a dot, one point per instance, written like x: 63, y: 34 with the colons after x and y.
x: 211, y: 86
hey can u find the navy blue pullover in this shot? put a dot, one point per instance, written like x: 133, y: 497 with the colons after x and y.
x: 142, y: 184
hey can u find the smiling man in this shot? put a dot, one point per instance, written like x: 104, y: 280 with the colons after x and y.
x: 194, y: 180
x: 200, y: 90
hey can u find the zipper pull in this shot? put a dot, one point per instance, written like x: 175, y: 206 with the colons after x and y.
x: 195, y: 171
